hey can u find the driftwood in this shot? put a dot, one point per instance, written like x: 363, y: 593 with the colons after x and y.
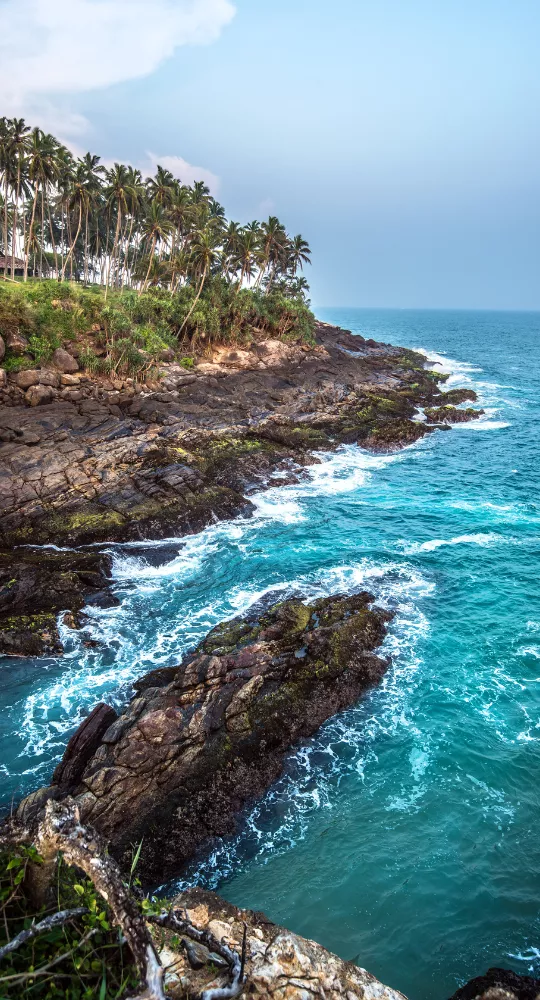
x: 60, y: 831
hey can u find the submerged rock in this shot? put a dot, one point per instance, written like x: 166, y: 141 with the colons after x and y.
x: 204, y: 738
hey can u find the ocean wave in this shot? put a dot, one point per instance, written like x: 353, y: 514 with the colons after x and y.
x: 344, y: 744
x: 479, y: 538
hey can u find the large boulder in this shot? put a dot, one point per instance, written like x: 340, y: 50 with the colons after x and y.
x: 201, y: 739
x: 27, y: 378
x: 64, y: 361
x: 16, y: 342
x: 39, y: 395
x: 280, y: 965
x: 500, y: 984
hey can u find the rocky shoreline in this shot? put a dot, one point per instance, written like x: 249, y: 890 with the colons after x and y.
x: 87, y: 463
x: 101, y: 461
x: 200, y: 740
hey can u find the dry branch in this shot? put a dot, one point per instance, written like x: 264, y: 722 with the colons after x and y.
x: 62, y: 917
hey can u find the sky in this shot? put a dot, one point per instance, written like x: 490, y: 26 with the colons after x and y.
x: 400, y: 137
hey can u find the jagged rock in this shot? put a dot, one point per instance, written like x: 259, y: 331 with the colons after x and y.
x: 16, y: 343
x: 500, y: 984
x: 2, y: 348
x: 35, y: 585
x: 183, y: 758
x: 280, y: 965
x: 64, y: 361
x: 82, y: 747
x: 39, y: 395
x: 451, y: 415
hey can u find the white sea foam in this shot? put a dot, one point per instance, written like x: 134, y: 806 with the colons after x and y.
x: 479, y: 538
x: 345, y: 744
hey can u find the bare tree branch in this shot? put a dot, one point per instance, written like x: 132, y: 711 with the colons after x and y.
x: 174, y: 921
x: 45, y: 925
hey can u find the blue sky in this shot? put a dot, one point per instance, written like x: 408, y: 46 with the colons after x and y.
x: 400, y: 137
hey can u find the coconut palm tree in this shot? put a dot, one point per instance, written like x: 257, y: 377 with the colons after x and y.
x: 298, y: 253
x: 205, y: 252
x: 118, y: 197
x: 155, y: 228
x: 42, y: 173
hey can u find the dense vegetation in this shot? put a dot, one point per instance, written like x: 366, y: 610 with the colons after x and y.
x: 79, y: 958
x: 151, y: 262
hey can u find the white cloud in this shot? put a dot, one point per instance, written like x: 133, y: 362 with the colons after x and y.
x: 182, y: 169
x: 53, y: 49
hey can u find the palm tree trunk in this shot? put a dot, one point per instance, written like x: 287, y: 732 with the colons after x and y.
x: 6, y: 189
x: 195, y: 300
x: 115, y: 244
x: 145, y: 282
x: 15, y: 217
x: 27, y: 252
x: 71, y: 249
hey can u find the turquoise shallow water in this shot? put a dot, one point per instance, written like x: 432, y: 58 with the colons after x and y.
x: 405, y: 835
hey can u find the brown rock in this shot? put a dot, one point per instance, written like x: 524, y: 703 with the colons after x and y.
x: 3, y: 378
x: 82, y: 746
x: 16, y: 343
x: 69, y: 379
x: 49, y: 378
x: 39, y: 395
x: 280, y: 965
x: 27, y: 378
x: 2, y: 348
x: 65, y: 362
x: 189, y: 753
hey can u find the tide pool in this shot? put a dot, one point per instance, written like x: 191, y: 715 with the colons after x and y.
x: 404, y: 836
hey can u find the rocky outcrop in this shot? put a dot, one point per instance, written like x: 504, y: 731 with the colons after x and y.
x: 451, y: 415
x: 37, y: 584
x: 200, y: 740
x: 112, y: 460
x: 280, y: 965
x: 500, y: 984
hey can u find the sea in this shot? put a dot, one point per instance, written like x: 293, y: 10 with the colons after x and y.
x: 405, y: 835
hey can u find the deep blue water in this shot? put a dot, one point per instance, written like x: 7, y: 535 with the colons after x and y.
x: 406, y: 834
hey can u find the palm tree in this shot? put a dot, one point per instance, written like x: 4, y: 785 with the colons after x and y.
x: 273, y: 235
x: 42, y: 173
x: 18, y: 144
x: 247, y: 252
x: 118, y: 196
x: 155, y: 228
x: 205, y: 252
x: 161, y: 187
x: 298, y: 254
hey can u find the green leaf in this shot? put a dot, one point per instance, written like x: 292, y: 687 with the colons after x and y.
x: 79, y: 889
x: 135, y: 861
x: 103, y: 987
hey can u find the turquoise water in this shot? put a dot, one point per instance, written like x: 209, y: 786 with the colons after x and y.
x: 405, y: 835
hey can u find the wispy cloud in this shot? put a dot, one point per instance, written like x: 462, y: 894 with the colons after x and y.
x: 51, y: 50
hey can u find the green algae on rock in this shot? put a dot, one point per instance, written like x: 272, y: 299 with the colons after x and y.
x: 200, y: 740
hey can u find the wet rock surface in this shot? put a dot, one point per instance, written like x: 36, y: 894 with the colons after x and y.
x: 280, y: 965
x: 37, y: 584
x: 200, y: 740
x: 500, y: 984
x: 89, y: 460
